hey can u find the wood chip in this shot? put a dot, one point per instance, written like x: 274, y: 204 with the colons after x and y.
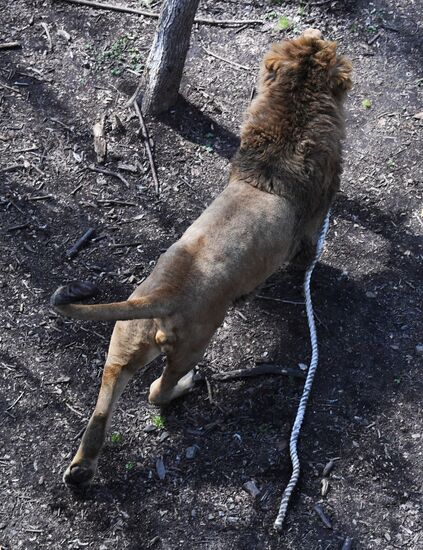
x: 251, y: 488
x: 325, y: 520
x: 160, y: 468
x: 10, y: 46
x: 82, y: 241
x: 325, y: 486
x: 100, y: 144
x: 328, y: 468
x: 347, y: 544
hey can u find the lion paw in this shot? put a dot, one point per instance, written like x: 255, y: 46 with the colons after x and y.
x: 78, y: 476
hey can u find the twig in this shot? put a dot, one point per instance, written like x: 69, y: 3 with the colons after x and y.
x: 320, y: 3
x: 147, y: 147
x: 16, y: 227
x: 50, y: 43
x: 155, y: 15
x: 261, y: 297
x: 16, y: 206
x: 26, y: 149
x: 240, y: 314
x: 389, y: 28
x: 77, y: 188
x: 9, y: 88
x: 209, y: 391
x: 57, y: 121
x: 262, y: 369
x: 108, y: 173
x: 116, y: 201
x: 80, y: 414
x: 40, y: 198
x: 10, y: 46
x: 376, y: 37
x: 15, y: 402
x: 11, y: 168
x: 73, y: 250
x: 79, y: 434
x: 233, y: 63
x: 241, y: 29
x: 34, y: 167
x: 124, y: 245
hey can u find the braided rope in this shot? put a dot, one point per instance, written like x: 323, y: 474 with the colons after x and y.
x: 308, y: 383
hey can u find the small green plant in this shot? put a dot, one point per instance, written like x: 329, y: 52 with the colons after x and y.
x: 116, y: 438
x: 159, y: 422
x: 270, y: 16
x: 284, y: 23
x: 366, y: 103
x: 119, y: 55
x: 130, y: 465
x: 391, y: 163
x: 301, y: 10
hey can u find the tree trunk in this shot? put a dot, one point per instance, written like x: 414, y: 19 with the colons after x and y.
x: 166, y: 61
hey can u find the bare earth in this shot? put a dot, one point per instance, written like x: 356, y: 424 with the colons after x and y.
x: 365, y: 409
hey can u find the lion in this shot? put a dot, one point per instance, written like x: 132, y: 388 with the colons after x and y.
x: 282, y: 182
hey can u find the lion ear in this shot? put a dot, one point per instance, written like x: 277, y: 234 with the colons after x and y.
x: 340, y: 74
x: 271, y: 63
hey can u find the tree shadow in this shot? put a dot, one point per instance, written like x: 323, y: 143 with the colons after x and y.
x: 198, y: 127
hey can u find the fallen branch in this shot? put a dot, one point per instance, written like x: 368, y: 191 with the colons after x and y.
x: 146, y: 138
x: 108, y: 173
x: 10, y: 46
x: 260, y: 370
x: 155, y: 15
x: 73, y: 250
x: 233, y: 63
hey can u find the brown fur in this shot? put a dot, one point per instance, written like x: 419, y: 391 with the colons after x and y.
x: 282, y: 182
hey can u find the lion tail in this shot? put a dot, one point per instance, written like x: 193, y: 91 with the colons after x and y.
x: 145, y: 307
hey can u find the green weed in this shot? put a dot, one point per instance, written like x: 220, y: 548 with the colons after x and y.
x: 284, y: 23
x: 116, y: 438
x: 159, y: 422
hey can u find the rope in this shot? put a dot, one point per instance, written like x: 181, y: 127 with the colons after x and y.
x: 308, y: 383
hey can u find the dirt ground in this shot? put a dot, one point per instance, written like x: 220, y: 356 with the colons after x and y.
x: 365, y: 409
